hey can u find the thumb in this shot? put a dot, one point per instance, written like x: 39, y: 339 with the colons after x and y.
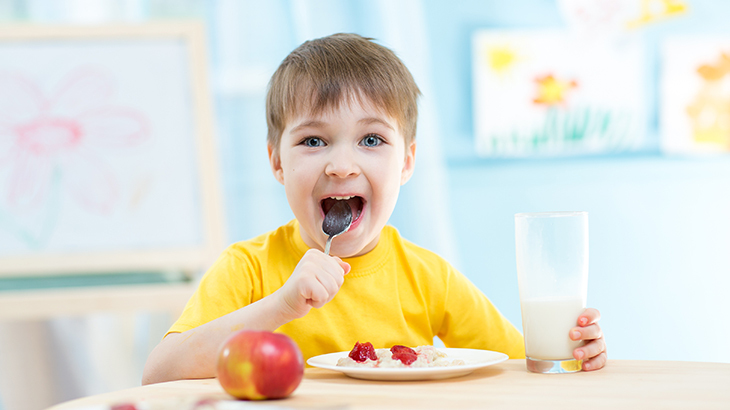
x: 344, y: 265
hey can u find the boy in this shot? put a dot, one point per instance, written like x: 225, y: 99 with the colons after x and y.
x: 341, y: 113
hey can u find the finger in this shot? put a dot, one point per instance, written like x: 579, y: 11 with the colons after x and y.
x: 316, y: 303
x: 331, y: 284
x: 596, y: 363
x: 337, y: 277
x: 590, y: 350
x: 589, y: 332
x: 329, y: 275
x: 333, y: 265
x: 315, y: 294
x: 344, y: 265
x: 589, y: 316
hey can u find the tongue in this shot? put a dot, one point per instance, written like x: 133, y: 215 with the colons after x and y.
x: 355, y: 204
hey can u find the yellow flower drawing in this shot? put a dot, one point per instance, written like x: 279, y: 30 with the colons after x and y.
x: 552, y: 91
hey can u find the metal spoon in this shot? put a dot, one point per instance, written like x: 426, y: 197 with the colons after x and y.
x: 336, y: 222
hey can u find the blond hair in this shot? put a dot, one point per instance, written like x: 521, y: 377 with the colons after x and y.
x: 320, y: 74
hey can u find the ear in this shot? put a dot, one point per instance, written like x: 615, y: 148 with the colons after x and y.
x: 409, y: 163
x: 275, y: 162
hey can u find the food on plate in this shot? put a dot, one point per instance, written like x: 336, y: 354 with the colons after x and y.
x: 364, y: 355
x: 362, y: 352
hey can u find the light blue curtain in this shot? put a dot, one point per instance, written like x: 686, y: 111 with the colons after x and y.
x: 247, y: 40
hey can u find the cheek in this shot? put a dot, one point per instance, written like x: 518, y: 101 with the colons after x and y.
x: 300, y: 181
x: 388, y: 180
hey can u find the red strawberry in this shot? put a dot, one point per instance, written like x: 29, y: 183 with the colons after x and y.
x: 405, y: 354
x: 362, y: 352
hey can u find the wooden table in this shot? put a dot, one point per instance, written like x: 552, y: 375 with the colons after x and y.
x: 620, y: 385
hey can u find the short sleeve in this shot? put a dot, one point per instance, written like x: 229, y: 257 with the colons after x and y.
x: 226, y: 287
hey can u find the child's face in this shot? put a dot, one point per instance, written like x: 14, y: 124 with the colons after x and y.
x: 355, y: 150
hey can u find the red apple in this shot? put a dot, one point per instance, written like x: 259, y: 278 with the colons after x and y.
x: 259, y: 365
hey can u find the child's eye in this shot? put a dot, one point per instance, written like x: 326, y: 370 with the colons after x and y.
x: 371, y: 140
x: 312, y: 142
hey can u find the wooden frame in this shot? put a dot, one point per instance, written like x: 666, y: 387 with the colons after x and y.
x: 188, y: 258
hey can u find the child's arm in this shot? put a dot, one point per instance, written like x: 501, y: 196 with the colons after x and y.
x: 193, y: 354
x: 593, y: 353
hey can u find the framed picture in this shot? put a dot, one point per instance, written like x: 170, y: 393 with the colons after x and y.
x: 695, y: 95
x: 547, y: 93
x: 108, y: 157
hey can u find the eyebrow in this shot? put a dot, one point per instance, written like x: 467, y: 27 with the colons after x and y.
x: 320, y: 124
x: 308, y: 124
x: 375, y: 120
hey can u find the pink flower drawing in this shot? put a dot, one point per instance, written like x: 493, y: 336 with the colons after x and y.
x: 68, y: 132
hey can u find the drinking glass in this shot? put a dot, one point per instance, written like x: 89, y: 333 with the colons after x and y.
x: 552, y: 272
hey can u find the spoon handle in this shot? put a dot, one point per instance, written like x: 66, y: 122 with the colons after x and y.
x: 327, y: 245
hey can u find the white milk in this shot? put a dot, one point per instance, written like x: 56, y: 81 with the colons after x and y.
x: 546, y: 324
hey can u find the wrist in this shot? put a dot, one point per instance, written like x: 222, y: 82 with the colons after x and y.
x: 279, y: 312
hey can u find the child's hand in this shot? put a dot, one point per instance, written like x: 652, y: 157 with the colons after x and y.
x: 593, y: 353
x: 315, y: 281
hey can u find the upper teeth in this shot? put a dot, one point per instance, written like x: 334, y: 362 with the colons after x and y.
x: 342, y: 198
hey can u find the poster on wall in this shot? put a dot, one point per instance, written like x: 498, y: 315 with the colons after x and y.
x: 695, y: 95
x: 546, y: 93
x: 107, y: 155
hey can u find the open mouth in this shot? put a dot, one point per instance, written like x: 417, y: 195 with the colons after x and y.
x: 356, y: 204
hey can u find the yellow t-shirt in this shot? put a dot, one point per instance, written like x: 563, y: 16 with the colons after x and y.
x: 398, y: 293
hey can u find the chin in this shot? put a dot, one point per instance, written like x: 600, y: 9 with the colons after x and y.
x: 350, y: 250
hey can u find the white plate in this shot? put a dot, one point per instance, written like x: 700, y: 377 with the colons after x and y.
x: 474, y: 359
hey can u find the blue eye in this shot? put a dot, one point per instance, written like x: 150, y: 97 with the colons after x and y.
x: 371, y: 140
x: 312, y: 142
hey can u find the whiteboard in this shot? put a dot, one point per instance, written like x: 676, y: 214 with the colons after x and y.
x: 107, y: 150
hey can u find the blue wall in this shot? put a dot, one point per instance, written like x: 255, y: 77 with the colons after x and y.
x: 659, y: 226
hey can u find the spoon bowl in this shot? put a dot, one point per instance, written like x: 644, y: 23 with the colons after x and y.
x: 336, y: 222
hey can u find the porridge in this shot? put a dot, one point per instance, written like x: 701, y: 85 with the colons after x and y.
x: 364, y: 355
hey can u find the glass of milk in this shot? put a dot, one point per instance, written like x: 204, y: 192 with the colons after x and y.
x: 552, y: 271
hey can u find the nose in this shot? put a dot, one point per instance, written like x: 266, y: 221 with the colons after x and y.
x: 342, y: 163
